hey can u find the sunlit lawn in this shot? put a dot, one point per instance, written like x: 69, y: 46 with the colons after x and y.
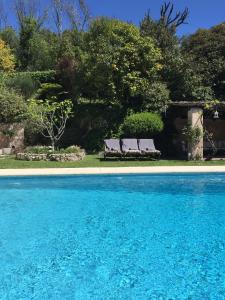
x: 94, y: 161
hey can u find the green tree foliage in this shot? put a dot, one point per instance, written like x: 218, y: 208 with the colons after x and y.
x: 10, y: 37
x: 43, y: 51
x: 164, y: 37
x: 70, y: 60
x: 142, y: 125
x: 206, y: 57
x: 118, y: 63
x: 156, y: 97
x: 191, y: 87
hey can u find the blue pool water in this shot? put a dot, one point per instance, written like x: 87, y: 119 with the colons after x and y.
x: 113, y: 237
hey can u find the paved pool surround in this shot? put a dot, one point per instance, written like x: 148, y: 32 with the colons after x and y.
x: 118, y: 170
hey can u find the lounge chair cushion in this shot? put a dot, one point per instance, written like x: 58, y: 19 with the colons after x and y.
x: 112, y: 145
x: 147, y: 146
x: 130, y: 146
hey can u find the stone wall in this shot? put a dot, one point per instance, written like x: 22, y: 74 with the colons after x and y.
x: 12, y: 136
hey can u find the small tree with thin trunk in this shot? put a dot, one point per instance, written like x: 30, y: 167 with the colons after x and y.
x: 49, y: 117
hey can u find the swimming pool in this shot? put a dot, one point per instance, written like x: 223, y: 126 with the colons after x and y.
x: 113, y: 237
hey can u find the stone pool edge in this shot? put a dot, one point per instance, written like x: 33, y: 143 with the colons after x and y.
x: 118, y: 170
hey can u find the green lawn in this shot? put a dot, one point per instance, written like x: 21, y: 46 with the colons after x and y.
x: 94, y: 161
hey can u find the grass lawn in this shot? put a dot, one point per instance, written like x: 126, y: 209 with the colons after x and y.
x: 94, y: 161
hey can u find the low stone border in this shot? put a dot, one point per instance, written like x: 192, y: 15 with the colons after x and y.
x: 61, y: 157
x: 66, y: 156
x: 31, y: 156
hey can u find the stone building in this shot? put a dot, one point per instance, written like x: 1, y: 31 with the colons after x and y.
x: 210, y: 122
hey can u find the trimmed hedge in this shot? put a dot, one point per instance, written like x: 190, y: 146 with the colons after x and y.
x: 27, y: 83
x: 40, y: 76
x: 142, y: 125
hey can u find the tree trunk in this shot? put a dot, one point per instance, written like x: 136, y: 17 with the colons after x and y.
x: 53, y: 144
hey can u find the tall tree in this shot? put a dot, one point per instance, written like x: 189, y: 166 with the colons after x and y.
x: 43, y: 50
x: 170, y: 20
x: 30, y: 9
x: 30, y: 22
x: 3, y: 16
x: 58, y: 14
x: 163, y: 31
x: 29, y: 27
x: 78, y: 14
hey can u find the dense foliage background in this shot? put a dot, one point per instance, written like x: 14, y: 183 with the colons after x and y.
x: 109, y: 69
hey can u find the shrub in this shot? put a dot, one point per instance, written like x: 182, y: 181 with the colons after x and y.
x: 142, y: 125
x: 48, y: 90
x: 12, y: 106
x: 192, y: 135
x: 71, y: 149
x: 25, y: 85
x: 38, y: 149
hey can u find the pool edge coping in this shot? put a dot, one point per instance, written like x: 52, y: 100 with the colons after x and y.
x: 112, y: 170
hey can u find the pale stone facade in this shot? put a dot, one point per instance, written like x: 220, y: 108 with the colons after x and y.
x: 195, y: 119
